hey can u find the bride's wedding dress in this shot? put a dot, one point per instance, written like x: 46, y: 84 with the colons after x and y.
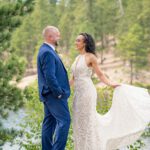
x: 121, y: 126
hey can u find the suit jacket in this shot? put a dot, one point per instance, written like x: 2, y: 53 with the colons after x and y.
x: 52, y: 75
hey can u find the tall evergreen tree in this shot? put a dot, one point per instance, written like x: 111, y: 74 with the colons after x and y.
x: 11, y: 66
x: 133, y: 34
x: 132, y: 48
x: 106, y: 18
x: 66, y: 23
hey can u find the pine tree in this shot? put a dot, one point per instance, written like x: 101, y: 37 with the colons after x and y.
x: 66, y: 23
x: 105, y: 22
x: 133, y: 33
x: 11, y: 66
x: 132, y: 48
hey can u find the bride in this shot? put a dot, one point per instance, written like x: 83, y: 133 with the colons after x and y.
x: 122, y: 124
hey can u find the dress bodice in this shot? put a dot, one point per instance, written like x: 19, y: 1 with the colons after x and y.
x: 80, y: 69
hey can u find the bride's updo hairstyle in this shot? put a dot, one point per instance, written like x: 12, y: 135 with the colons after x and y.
x: 89, y: 43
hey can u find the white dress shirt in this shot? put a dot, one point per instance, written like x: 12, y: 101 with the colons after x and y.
x: 52, y: 46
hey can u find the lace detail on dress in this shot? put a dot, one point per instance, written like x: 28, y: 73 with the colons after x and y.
x: 124, y: 122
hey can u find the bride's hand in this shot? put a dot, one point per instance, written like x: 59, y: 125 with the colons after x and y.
x: 114, y: 85
x: 71, y: 81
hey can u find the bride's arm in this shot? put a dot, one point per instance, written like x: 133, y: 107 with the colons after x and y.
x: 100, y: 73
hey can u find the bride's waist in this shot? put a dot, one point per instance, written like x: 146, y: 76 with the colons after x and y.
x: 83, y: 81
x: 82, y: 78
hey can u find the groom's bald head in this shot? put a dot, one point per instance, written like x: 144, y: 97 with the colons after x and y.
x: 51, y: 34
x: 49, y: 30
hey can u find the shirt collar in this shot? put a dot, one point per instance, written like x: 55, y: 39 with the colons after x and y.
x: 50, y: 45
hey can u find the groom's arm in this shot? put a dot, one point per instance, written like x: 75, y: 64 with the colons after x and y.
x: 49, y: 67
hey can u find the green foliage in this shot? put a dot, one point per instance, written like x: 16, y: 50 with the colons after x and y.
x: 144, y: 85
x: 147, y: 132
x: 11, y: 66
x: 33, y: 120
x: 131, y: 46
x: 92, y: 16
x: 133, y: 33
x: 136, y: 146
x: 31, y: 29
x: 99, y: 18
x: 11, y: 14
x: 143, y: 20
x: 7, y: 135
x: 104, y: 99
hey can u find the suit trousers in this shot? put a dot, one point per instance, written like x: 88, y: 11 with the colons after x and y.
x: 56, y: 123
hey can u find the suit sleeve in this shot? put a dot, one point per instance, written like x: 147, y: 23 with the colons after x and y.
x: 48, y: 67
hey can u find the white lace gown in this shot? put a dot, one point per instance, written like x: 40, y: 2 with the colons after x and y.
x: 122, y: 125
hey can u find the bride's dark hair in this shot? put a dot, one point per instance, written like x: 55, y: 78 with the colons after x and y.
x: 89, y: 43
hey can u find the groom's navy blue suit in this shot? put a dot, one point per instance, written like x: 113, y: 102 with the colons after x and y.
x: 54, y: 91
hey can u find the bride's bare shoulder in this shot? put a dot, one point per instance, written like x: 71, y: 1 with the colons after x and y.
x: 91, y: 57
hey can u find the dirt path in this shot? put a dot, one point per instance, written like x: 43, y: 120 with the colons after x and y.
x: 26, y: 81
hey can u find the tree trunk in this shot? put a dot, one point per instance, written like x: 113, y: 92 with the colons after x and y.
x: 131, y: 71
x: 121, y: 7
x: 103, y: 40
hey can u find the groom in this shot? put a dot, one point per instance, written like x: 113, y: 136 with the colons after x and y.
x: 54, y: 91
